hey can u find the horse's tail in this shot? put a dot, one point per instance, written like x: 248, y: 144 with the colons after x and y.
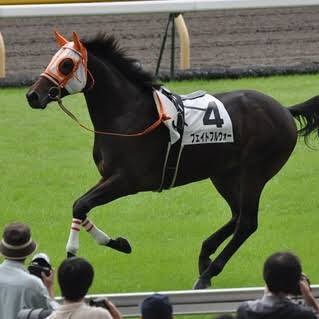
x: 307, y: 114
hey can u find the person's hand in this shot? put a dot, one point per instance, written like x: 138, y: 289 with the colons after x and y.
x: 304, y: 286
x: 306, y: 293
x: 48, y: 282
x: 112, y: 309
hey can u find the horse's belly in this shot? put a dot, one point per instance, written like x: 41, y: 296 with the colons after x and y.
x: 199, y: 162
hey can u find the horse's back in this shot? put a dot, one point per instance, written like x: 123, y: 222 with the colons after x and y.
x: 248, y: 102
x: 262, y: 129
x: 253, y: 112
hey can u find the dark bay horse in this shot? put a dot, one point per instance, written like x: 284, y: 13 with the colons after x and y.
x: 130, y: 142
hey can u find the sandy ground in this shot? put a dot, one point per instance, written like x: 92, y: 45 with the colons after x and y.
x: 219, y: 39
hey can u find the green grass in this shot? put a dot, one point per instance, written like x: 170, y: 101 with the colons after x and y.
x: 45, y: 164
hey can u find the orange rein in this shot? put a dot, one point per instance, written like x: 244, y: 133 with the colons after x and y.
x: 152, y: 127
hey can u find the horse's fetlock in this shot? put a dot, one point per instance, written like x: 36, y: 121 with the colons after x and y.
x: 102, y: 241
x: 216, y: 268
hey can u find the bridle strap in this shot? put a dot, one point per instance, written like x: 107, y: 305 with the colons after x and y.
x: 52, y: 79
x: 59, y: 86
x: 152, y: 127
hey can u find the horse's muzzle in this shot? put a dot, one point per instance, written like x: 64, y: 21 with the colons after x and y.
x: 35, y: 100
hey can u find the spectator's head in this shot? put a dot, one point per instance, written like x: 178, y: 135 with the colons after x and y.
x: 75, y: 276
x: 157, y: 306
x: 16, y: 243
x: 282, y: 273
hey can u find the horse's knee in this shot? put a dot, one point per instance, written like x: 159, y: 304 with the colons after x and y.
x: 210, y: 245
x: 247, y: 227
x: 252, y: 226
x: 80, y: 209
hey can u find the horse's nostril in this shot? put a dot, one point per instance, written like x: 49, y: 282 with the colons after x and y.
x: 33, y: 96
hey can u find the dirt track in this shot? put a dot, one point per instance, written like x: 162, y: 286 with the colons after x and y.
x: 219, y: 39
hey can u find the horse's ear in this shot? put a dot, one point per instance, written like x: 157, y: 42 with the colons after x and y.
x: 77, y: 43
x: 61, y: 41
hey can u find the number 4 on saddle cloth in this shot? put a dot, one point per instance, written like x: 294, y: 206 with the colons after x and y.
x: 196, y: 118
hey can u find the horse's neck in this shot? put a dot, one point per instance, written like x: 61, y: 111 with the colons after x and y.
x: 114, y: 100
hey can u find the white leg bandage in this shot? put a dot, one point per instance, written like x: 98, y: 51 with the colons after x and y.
x: 100, y: 237
x: 72, y: 245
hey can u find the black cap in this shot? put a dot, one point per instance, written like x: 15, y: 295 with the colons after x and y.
x: 156, y: 306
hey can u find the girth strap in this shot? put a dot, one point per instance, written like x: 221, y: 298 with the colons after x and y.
x: 174, y: 151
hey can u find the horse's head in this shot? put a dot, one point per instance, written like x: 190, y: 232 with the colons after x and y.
x: 66, y: 74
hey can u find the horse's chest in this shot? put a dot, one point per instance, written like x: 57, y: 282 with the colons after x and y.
x: 102, y: 160
x: 102, y: 168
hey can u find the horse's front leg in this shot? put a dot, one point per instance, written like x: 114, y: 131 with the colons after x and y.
x: 103, y: 192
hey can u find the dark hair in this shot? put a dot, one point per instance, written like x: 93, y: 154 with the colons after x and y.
x: 157, y: 306
x: 282, y: 273
x: 75, y: 276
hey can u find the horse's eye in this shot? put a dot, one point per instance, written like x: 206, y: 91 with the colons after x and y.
x: 66, y: 66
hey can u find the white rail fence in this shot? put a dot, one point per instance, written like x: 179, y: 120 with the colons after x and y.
x: 193, y: 302
x: 129, y: 7
x: 2, y: 57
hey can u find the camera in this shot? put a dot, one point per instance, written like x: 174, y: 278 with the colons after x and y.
x: 40, y: 263
x: 99, y: 302
x: 34, y: 313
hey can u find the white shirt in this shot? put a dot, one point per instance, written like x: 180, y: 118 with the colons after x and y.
x: 79, y: 310
x: 19, y: 290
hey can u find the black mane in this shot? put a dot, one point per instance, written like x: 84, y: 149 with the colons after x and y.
x: 107, y: 49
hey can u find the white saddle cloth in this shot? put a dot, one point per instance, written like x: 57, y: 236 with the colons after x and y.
x: 206, y: 120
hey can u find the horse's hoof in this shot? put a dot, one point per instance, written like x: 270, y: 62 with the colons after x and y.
x: 120, y: 244
x: 202, y: 284
x: 70, y: 255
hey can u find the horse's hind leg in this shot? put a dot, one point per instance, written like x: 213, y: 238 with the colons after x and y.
x: 228, y: 187
x: 251, y: 185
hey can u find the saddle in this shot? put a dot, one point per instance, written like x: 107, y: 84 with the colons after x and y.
x: 174, y: 151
